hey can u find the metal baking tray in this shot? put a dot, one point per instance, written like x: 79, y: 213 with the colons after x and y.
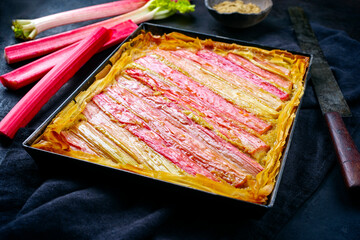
x: 52, y: 163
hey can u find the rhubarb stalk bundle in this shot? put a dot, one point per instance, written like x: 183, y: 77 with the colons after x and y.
x: 154, y: 9
x: 21, y: 114
x: 33, y: 71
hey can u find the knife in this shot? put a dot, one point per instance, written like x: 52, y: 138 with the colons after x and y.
x: 330, y: 98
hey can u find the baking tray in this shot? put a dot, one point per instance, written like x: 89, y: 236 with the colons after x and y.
x: 53, y: 163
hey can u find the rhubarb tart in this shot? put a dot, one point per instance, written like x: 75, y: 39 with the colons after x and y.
x: 199, y: 113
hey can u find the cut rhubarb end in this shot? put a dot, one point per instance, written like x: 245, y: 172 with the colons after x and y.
x: 8, y: 84
x: 22, y: 113
x: 35, y: 70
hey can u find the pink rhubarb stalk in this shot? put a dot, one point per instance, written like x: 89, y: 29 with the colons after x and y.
x: 33, y: 71
x: 29, y: 28
x: 21, y: 114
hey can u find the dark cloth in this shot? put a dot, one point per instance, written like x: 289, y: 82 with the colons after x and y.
x: 33, y: 206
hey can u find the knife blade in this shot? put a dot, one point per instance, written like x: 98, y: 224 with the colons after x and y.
x: 330, y: 98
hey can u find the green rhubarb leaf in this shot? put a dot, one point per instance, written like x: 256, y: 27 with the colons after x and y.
x: 182, y: 6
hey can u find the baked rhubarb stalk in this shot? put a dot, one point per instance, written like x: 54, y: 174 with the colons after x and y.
x: 203, y: 114
x: 265, y: 74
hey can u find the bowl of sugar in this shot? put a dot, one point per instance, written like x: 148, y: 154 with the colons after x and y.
x: 239, y: 13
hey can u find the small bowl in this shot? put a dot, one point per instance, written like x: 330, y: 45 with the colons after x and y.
x: 240, y: 20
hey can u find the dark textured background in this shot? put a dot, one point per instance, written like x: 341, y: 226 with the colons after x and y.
x: 312, y: 202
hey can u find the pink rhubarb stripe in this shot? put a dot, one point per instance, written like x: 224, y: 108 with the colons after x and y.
x: 77, y: 143
x: 140, y: 129
x: 232, y: 80
x: 227, y: 65
x: 174, y: 110
x: 188, y: 87
x: 180, y: 136
x: 249, y: 142
x: 240, y: 61
x: 272, y: 66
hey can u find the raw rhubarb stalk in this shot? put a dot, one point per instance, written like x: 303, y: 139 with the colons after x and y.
x: 137, y: 127
x: 242, y: 73
x: 154, y: 9
x: 274, y: 78
x: 29, y: 28
x: 240, y: 137
x: 232, y: 79
x: 190, y: 88
x: 31, y: 103
x: 180, y: 137
x: 33, y: 71
x: 174, y: 111
x: 42, y: 46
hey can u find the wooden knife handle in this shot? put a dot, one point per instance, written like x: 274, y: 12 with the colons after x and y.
x: 348, y: 155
